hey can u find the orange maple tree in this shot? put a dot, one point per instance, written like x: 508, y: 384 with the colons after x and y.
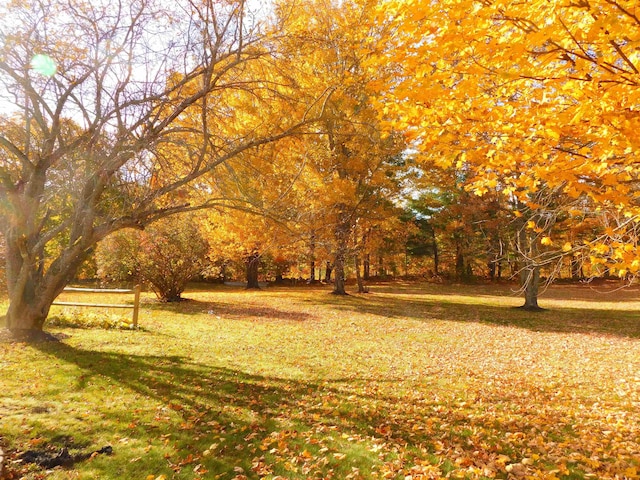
x: 534, y: 99
x: 349, y: 177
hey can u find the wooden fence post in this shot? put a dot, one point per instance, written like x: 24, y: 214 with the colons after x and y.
x: 136, y: 304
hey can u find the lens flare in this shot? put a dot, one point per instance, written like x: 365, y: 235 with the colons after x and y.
x: 44, y: 65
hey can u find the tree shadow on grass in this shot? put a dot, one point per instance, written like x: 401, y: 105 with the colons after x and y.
x: 191, y: 406
x: 456, y: 307
x: 594, y: 292
x: 266, y: 425
x: 230, y: 310
x: 620, y: 323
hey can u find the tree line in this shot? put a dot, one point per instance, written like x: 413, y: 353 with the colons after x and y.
x: 468, y: 138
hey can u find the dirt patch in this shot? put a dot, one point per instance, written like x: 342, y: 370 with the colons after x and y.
x: 62, y: 458
x: 47, y: 457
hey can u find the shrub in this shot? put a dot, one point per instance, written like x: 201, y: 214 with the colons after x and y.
x: 166, y: 255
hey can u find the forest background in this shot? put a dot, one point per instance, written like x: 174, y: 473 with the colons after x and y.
x: 457, y: 140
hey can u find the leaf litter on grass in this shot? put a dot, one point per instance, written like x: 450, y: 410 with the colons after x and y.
x: 389, y: 385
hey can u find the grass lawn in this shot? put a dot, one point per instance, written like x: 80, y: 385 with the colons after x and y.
x: 409, y: 382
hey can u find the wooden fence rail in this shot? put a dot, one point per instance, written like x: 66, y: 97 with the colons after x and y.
x: 136, y: 299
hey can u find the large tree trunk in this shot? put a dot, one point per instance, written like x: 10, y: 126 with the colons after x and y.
x: 361, y: 287
x: 342, y: 234
x: 459, y: 263
x: 530, y: 282
x: 436, y: 258
x: 30, y: 300
x: 252, y: 263
x: 312, y: 259
x: 338, y: 269
x: 530, y: 273
x: 491, y: 266
x: 223, y: 272
x: 327, y: 272
x: 342, y: 237
x: 367, y: 267
x: 29, y: 303
x: 406, y: 262
x: 26, y: 312
x: 31, y: 289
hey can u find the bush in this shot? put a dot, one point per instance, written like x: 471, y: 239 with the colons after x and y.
x: 166, y: 255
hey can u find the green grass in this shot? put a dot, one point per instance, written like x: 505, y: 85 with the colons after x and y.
x: 410, y: 381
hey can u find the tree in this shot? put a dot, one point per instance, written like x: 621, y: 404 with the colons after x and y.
x: 351, y: 177
x: 528, y: 96
x: 250, y: 239
x: 166, y: 255
x: 136, y: 106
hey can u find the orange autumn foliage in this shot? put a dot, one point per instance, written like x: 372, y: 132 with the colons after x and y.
x: 523, y: 95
